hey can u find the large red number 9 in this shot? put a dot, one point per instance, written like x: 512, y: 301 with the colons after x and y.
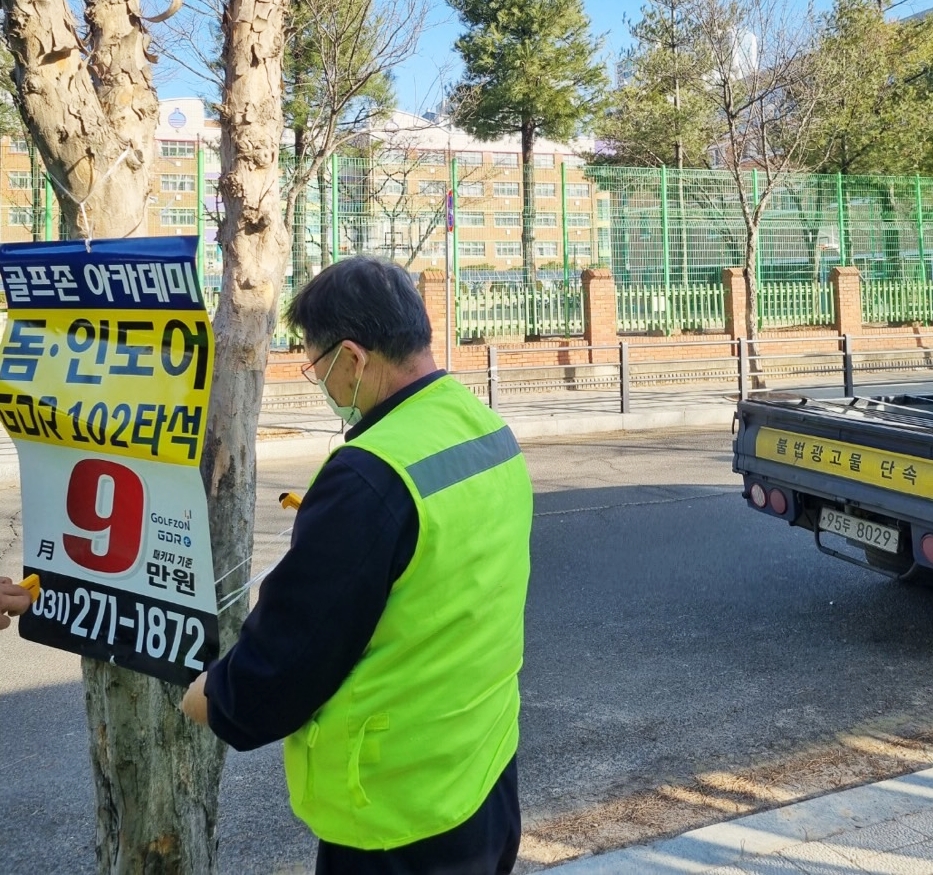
x: 106, y: 501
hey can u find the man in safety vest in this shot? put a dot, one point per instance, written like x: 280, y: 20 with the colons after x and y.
x: 385, y: 646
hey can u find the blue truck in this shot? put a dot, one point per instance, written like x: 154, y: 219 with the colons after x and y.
x: 856, y: 472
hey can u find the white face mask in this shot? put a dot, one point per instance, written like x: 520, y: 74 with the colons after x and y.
x: 350, y: 414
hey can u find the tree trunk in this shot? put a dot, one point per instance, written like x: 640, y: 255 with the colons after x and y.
x: 751, y: 309
x: 95, y: 136
x: 156, y: 774
x: 255, y: 247
x: 529, y: 274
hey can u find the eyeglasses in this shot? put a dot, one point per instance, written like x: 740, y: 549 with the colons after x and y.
x: 307, y: 371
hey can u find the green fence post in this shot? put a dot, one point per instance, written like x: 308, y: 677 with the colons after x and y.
x: 665, y: 245
x: 334, y: 207
x: 565, y: 236
x: 200, y: 214
x: 843, y: 254
x: 920, y: 241
x: 454, y: 184
x: 48, y: 207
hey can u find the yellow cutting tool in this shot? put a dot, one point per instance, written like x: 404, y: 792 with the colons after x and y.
x: 31, y: 585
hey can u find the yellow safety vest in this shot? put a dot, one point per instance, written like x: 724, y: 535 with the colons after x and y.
x: 419, y: 732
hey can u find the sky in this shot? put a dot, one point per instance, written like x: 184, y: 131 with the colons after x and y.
x: 421, y: 81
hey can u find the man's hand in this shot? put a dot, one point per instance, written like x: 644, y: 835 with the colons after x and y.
x: 194, y: 703
x: 14, y: 600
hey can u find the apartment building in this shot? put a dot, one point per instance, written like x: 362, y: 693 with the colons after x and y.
x: 403, y: 207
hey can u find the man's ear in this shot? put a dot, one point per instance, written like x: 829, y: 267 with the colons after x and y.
x: 360, y: 354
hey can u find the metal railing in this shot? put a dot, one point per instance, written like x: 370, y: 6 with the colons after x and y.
x: 832, y: 362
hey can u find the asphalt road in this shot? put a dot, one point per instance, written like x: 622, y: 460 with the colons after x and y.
x: 670, y: 631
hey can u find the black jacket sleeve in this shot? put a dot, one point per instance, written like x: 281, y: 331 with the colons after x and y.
x: 354, y: 534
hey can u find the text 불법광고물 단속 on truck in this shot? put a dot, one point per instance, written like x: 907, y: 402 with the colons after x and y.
x: 857, y: 472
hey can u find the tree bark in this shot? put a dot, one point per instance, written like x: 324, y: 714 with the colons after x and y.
x: 751, y: 310
x: 529, y: 273
x: 156, y: 775
x: 95, y: 135
x: 255, y: 247
x: 92, y: 114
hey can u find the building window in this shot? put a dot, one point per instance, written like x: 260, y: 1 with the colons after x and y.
x: 580, y: 250
x: 175, y: 216
x: 177, y: 182
x: 391, y: 156
x: 573, y: 161
x: 578, y: 220
x: 474, y: 159
x: 505, y: 159
x: 20, y: 147
x: 21, y: 216
x: 509, y: 249
x: 431, y: 186
x: 432, y: 156
x: 545, y: 220
x: 472, y: 248
x: 470, y: 189
x: 21, y: 179
x: 544, y: 160
x: 545, y: 189
x: 546, y: 249
x: 505, y: 189
x: 602, y: 209
x: 470, y: 219
x: 578, y: 189
x: 176, y: 148
x: 434, y: 248
x: 391, y: 187
x: 427, y: 222
x: 508, y: 220
x: 602, y: 242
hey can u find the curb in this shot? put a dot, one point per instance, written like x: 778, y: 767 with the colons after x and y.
x: 558, y: 426
x: 757, y: 837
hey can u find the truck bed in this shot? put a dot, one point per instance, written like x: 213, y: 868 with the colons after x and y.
x: 869, y: 458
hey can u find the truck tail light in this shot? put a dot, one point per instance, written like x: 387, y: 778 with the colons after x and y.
x: 758, y: 496
x: 778, y: 501
x: 926, y: 547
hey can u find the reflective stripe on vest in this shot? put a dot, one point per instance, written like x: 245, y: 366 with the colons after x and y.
x: 465, y: 460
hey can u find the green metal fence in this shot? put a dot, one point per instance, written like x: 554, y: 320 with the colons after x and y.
x: 897, y: 301
x: 785, y: 304
x: 665, y: 235
x: 641, y: 309
x: 492, y: 309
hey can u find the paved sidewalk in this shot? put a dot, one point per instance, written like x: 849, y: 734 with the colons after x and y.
x: 883, y: 829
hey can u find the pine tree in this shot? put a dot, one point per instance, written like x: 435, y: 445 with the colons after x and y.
x: 531, y: 68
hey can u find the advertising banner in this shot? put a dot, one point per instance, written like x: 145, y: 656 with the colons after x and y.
x: 105, y: 375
